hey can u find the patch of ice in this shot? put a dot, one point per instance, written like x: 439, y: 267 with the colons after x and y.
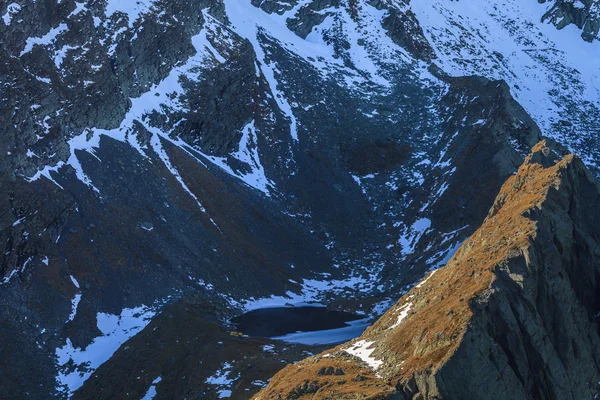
x: 329, y: 336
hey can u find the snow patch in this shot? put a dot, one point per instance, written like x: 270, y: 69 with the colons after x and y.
x: 74, y: 305
x: 411, y: 237
x: 152, y: 390
x: 311, y: 293
x: 47, y: 39
x: 166, y: 95
x: 132, y: 8
x: 554, y: 74
x: 11, y: 10
x: 362, y: 349
x: 223, y: 381
x: 426, y: 279
x: 249, y: 22
x: 404, y: 310
x: 248, y: 154
x: 76, y: 364
x: 74, y: 281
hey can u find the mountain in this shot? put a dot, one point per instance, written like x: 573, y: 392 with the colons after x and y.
x: 512, y: 315
x: 221, y: 156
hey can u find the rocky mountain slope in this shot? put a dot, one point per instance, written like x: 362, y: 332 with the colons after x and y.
x: 237, y: 153
x: 512, y: 315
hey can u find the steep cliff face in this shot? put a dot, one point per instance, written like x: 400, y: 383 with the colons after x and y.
x: 512, y: 315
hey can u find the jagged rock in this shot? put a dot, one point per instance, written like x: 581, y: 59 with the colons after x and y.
x: 512, y: 315
x: 275, y: 6
x: 331, y: 371
x: 403, y: 28
x: 585, y: 14
x: 311, y: 15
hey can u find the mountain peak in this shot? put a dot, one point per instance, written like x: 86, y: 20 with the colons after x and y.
x: 512, y: 313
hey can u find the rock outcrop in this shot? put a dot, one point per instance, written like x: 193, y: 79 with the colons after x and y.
x: 403, y: 28
x: 585, y: 14
x: 512, y: 315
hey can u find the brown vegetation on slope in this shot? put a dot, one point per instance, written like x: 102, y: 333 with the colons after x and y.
x: 441, y: 307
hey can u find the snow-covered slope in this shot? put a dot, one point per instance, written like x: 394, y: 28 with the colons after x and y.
x: 553, y: 73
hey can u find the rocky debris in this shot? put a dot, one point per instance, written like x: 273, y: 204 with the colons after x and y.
x: 512, y: 315
x: 331, y: 371
x: 127, y: 265
x: 222, y: 100
x: 487, y: 135
x: 306, y: 389
x: 376, y: 157
x: 59, y: 59
x: 585, y: 14
x: 459, y: 35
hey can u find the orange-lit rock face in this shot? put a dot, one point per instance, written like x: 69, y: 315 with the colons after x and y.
x: 509, y: 316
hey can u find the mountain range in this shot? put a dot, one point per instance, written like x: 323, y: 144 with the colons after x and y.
x: 169, y: 165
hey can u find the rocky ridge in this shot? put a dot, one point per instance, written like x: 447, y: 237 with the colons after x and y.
x: 512, y: 315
